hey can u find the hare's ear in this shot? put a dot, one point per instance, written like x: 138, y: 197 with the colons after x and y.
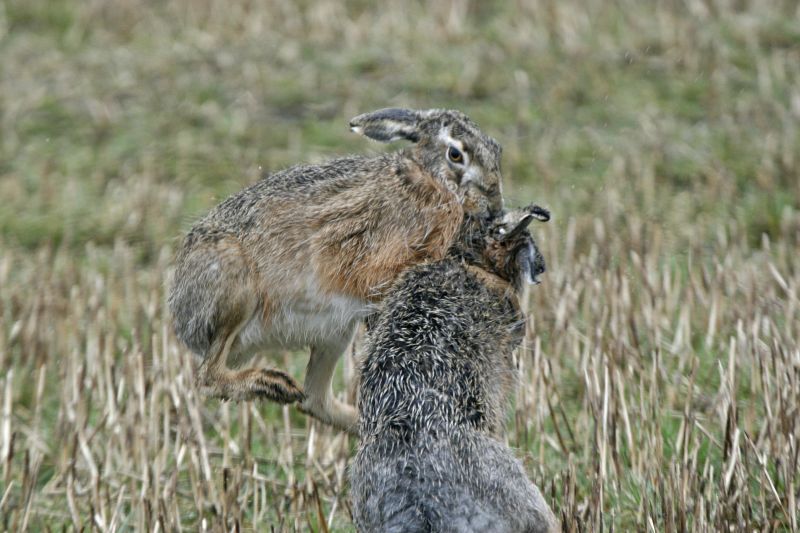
x: 517, y: 220
x: 390, y: 124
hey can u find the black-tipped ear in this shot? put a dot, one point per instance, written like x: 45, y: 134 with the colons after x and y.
x: 517, y: 220
x: 539, y: 213
x: 390, y: 124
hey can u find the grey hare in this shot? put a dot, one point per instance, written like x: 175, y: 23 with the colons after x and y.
x: 434, y: 384
x: 299, y: 257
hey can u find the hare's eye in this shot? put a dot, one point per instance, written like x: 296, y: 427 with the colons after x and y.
x: 455, y: 155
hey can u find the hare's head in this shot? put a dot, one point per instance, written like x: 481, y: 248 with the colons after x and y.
x: 503, y: 245
x: 450, y: 146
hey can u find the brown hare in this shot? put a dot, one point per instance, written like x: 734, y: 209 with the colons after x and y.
x: 298, y: 258
x: 434, y: 387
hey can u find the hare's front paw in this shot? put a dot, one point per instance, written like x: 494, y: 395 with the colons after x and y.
x: 252, y: 384
x: 278, y: 386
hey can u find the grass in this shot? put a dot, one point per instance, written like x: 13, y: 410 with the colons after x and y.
x: 659, y: 384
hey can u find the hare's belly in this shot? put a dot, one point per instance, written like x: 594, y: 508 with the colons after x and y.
x: 298, y: 323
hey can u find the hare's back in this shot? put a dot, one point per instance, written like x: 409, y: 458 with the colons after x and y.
x: 289, y: 192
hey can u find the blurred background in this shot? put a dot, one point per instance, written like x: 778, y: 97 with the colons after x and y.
x: 660, y: 380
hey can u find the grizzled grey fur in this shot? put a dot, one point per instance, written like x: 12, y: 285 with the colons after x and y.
x: 434, y: 385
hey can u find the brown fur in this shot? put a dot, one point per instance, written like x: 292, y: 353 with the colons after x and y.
x: 363, y: 261
x: 493, y: 282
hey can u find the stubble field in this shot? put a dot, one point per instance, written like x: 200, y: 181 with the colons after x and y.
x: 660, y: 380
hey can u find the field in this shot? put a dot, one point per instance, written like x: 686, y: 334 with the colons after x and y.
x: 660, y: 380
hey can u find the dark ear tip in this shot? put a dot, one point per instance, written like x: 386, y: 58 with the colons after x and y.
x: 540, y: 213
x: 357, y: 125
x: 359, y: 120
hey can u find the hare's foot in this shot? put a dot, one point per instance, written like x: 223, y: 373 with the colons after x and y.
x: 252, y: 384
x: 330, y: 411
x: 319, y: 401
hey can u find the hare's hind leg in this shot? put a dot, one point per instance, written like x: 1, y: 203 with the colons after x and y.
x: 319, y: 401
x: 216, y: 379
x: 211, y: 301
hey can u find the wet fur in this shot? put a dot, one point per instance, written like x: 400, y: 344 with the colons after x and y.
x: 434, y: 387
